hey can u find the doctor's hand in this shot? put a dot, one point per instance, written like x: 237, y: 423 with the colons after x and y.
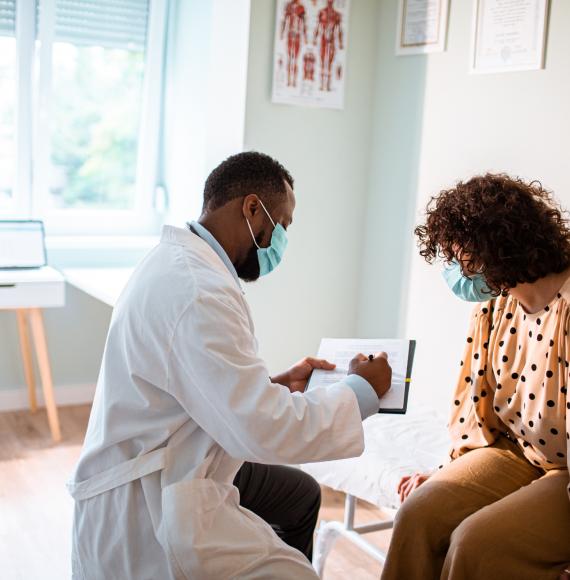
x: 297, y: 377
x: 409, y: 483
x: 376, y: 371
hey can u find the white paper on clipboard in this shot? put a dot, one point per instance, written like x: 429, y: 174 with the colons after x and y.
x: 340, y: 351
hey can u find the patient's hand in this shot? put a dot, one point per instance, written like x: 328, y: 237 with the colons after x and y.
x: 409, y: 483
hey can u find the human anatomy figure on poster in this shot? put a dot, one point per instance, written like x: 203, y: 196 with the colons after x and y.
x: 309, y: 57
x: 329, y: 29
x: 309, y: 60
x: 294, y: 22
x: 309, y: 66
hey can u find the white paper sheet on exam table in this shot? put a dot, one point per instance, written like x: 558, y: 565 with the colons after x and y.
x: 341, y: 351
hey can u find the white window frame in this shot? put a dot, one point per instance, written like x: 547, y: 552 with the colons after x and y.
x: 18, y: 204
x: 25, y: 35
x: 34, y: 139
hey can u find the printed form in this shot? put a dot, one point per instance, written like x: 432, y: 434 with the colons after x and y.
x: 340, y: 351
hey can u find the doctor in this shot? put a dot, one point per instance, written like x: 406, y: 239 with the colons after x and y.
x: 183, y: 400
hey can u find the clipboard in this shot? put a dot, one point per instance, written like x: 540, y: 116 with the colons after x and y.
x: 400, y: 357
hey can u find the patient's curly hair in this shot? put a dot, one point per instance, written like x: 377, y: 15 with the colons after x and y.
x: 513, y: 231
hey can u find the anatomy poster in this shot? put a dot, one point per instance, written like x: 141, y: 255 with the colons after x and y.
x: 309, y: 66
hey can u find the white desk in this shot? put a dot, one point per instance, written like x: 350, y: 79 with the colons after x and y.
x: 104, y: 284
x: 27, y: 292
x: 38, y: 287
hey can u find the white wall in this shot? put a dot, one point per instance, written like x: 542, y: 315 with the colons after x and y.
x: 206, y: 83
x: 314, y: 292
x: 514, y: 122
x: 396, y: 122
x: 75, y: 335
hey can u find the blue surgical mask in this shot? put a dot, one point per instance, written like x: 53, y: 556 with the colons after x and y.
x: 270, y: 257
x: 471, y: 289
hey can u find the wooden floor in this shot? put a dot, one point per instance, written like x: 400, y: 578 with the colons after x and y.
x: 35, y: 509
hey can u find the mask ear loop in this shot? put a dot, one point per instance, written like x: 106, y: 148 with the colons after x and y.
x: 268, y: 215
x: 249, y: 225
x: 251, y: 232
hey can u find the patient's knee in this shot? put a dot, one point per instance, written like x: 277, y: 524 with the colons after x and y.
x: 471, y: 534
x: 420, y: 509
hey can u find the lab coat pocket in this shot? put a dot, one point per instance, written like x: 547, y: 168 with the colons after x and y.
x: 208, y: 534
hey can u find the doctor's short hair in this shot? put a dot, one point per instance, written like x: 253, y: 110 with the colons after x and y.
x: 513, y: 230
x: 243, y: 174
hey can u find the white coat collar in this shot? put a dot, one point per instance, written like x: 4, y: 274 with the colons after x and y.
x: 186, y: 236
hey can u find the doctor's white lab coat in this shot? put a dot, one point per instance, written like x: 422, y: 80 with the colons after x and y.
x: 182, y: 400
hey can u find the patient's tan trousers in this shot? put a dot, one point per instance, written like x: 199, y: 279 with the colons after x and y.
x: 489, y: 515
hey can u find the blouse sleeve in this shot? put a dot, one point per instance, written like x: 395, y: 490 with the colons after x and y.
x: 564, y: 393
x: 473, y: 421
x: 567, y: 433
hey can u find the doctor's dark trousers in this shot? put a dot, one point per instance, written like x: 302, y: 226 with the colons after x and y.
x: 286, y: 498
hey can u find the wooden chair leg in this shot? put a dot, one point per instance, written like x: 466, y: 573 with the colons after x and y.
x: 40, y: 344
x: 26, y: 350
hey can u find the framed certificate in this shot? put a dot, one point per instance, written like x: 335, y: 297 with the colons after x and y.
x: 509, y: 35
x: 422, y: 26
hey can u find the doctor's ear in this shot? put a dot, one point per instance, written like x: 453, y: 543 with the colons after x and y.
x: 250, y: 205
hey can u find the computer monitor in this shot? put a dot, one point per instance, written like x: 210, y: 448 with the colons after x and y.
x: 22, y: 244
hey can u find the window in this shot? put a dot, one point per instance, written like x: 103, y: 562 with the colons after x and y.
x: 88, y: 157
x: 7, y: 101
x: 96, y: 111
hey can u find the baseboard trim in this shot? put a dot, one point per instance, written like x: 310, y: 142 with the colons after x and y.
x: 16, y: 399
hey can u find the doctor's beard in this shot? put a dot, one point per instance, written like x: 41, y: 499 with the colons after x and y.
x: 248, y: 270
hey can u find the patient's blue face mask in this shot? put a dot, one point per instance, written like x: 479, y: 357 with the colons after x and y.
x: 469, y: 288
x: 270, y: 257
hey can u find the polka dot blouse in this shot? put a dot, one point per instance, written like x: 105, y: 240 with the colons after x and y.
x: 513, y: 380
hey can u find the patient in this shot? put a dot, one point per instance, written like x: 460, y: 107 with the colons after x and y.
x: 500, y: 509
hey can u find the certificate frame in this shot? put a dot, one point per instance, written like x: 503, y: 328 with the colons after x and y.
x: 538, y: 63
x: 439, y: 45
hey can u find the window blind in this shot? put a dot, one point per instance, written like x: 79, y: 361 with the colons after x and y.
x: 7, y: 17
x: 108, y: 23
